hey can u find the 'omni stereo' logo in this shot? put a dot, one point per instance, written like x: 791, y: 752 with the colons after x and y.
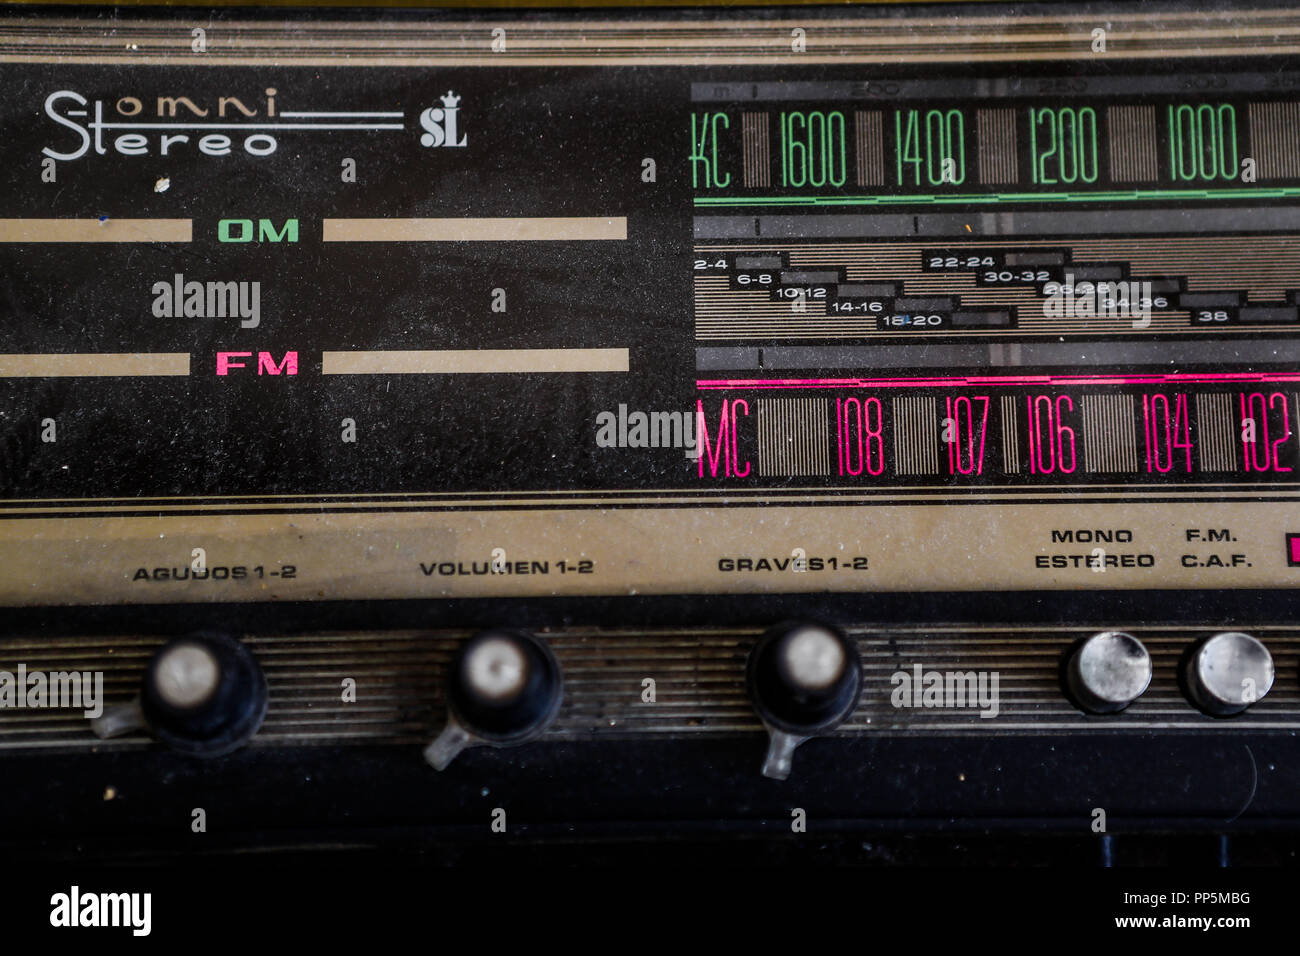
x: 220, y: 125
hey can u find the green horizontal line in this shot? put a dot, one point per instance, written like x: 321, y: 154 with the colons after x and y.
x: 1130, y: 195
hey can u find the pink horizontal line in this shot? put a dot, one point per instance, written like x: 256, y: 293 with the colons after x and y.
x: 1151, y: 378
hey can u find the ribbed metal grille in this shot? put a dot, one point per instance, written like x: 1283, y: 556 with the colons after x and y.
x: 698, y: 674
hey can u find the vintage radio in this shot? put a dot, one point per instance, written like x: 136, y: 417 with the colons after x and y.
x: 671, y: 427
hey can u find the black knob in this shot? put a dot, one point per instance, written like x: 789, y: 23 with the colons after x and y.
x: 505, y: 686
x: 204, y: 694
x: 804, y: 677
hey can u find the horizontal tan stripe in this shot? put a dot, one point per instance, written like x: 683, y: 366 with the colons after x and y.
x: 475, y: 230
x: 93, y: 230
x: 664, y: 41
x: 291, y: 504
x: 995, y: 54
x: 975, y: 20
x: 94, y: 364
x: 666, y: 550
x: 55, y: 508
x: 536, y: 42
x: 457, y: 361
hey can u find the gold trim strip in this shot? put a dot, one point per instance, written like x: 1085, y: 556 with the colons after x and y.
x: 443, y: 554
x: 613, y: 496
x: 96, y: 230
x: 536, y: 229
x: 465, y: 361
x: 872, y: 38
x: 94, y: 364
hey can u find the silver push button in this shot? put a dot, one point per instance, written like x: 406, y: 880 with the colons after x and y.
x: 1228, y: 673
x: 1109, y: 671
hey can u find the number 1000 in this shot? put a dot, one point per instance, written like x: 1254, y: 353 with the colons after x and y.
x: 1202, y: 142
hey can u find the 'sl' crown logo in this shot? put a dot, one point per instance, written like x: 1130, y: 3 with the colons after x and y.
x: 441, y: 124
